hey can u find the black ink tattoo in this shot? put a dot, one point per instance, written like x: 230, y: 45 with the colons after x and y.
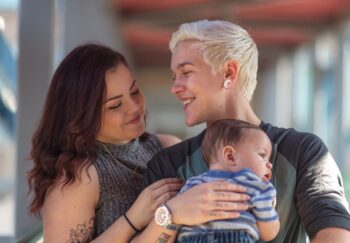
x: 83, y: 233
x: 163, y: 238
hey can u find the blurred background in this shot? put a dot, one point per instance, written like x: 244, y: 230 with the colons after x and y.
x: 304, y: 71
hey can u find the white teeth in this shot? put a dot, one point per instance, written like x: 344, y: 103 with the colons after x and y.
x: 187, y: 101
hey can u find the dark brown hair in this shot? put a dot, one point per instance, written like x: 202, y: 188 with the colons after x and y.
x: 64, y: 142
x: 221, y: 133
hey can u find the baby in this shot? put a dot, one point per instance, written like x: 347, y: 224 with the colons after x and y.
x: 237, y: 152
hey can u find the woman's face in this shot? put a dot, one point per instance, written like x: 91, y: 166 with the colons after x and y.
x: 123, y: 109
x: 196, y: 86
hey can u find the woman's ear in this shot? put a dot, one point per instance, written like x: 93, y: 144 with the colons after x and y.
x: 231, y: 70
x: 228, y: 153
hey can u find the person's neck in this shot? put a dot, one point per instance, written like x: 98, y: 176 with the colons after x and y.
x: 118, y: 143
x: 239, y: 108
x: 220, y: 166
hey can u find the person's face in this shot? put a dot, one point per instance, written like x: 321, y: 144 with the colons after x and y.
x: 253, y: 152
x: 195, y: 85
x: 123, y: 109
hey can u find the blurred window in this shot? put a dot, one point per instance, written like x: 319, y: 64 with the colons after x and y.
x: 8, y: 107
x: 345, y: 127
x: 325, y: 99
x: 302, y: 89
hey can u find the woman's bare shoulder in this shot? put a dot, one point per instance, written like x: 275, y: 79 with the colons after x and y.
x: 71, y: 208
x: 85, y: 186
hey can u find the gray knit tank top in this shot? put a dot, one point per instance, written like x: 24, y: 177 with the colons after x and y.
x: 120, y: 183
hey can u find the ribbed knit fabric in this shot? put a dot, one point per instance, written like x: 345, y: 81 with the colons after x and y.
x: 119, y: 183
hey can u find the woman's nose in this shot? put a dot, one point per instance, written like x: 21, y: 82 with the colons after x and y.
x: 177, y: 87
x: 133, y: 106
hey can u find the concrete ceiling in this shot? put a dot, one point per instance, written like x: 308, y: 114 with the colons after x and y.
x: 275, y: 25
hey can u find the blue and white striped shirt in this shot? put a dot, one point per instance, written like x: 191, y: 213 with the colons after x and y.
x: 261, y: 204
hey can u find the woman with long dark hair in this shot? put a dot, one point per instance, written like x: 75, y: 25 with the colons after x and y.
x: 90, y: 150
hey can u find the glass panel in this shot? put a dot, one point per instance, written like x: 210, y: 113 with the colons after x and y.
x: 302, y: 89
x: 8, y: 107
x: 345, y: 156
x: 326, y: 109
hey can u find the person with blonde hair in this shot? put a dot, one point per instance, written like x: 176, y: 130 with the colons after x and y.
x: 214, y: 74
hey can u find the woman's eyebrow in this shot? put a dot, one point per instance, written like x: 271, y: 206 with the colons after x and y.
x: 181, y: 65
x: 133, y: 84
x: 119, y: 96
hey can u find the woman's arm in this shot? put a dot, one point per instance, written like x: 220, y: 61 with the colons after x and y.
x: 69, y: 212
x: 200, y: 204
x: 331, y: 235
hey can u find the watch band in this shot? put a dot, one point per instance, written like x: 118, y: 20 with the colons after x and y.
x: 171, y: 226
x: 163, y: 217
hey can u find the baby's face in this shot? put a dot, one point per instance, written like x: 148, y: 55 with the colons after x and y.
x: 253, y: 152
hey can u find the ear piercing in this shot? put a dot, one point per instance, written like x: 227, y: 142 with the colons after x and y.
x: 227, y: 83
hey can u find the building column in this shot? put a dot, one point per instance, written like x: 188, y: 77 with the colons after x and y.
x: 34, y: 71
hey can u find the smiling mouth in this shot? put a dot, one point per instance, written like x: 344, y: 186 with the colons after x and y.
x: 187, y: 101
x: 135, y: 120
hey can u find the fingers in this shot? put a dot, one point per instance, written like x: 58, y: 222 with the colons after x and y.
x: 166, y: 192
x: 229, y: 206
x: 226, y: 186
x: 165, y: 181
x: 163, y: 190
x: 223, y: 191
x: 219, y: 191
x: 220, y: 215
x: 167, y: 188
x: 165, y: 197
x: 230, y: 196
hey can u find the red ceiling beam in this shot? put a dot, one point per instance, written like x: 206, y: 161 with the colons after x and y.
x: 154, y: 5
x: 291, y: 10
x: 143, y: 36
x: 139, y: 35
x: 281, y: 36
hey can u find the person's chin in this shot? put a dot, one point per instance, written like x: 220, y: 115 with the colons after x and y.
x: 138, y: 133
x: 191, y: 122
x: 138, y: 129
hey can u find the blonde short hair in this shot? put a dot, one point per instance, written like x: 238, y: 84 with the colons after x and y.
x: 222, y: 41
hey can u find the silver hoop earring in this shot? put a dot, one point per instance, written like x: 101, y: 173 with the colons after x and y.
x: 227, y: 83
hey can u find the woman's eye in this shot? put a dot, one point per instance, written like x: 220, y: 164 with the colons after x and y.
x: 135, y: 92
x: 115, y: 107
x: 186, y: 73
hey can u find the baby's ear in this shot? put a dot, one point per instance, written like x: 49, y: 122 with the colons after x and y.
x: 228, y: 153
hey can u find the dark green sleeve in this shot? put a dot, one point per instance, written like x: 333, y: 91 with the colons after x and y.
x: 319, y: 191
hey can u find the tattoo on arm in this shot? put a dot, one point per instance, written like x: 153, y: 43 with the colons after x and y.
x: 83, y: 233
x: 163, y: 238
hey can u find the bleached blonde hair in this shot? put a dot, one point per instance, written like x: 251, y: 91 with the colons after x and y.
x: 219, y: 42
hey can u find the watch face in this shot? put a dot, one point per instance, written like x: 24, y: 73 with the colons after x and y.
x: 162, y: 216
